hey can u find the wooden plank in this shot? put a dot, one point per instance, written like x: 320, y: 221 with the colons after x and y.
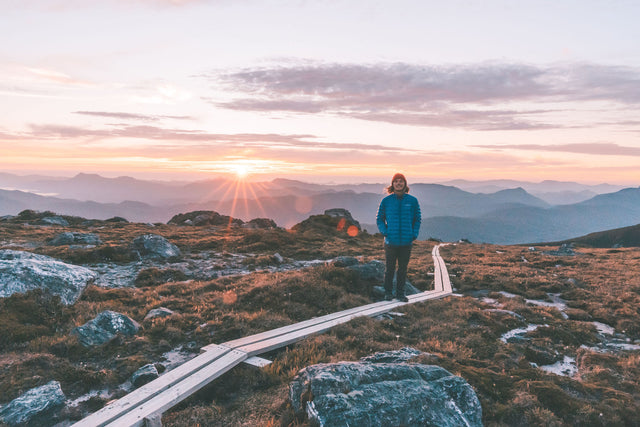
x: 180, y: 391
x: 266, y: 345
x: 258, y: 362
x: 151, y: 389
x: 301, y: 325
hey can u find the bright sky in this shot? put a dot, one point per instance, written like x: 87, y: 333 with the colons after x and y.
x: 325, y: 90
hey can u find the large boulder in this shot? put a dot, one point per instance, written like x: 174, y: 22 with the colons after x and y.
x: 154, y: 246
x: 104, y: 328
x: 32, y: 407
x: 24, y: 271
x: 381, y: 394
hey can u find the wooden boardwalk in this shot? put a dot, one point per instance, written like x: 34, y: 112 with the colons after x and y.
x: 145, y: 405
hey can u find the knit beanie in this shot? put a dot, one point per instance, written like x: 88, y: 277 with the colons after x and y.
x: 399, y: 175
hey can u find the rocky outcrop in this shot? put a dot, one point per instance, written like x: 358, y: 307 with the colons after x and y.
x: 104, y: 328
x: 34, y: 405
x: 74, y: 238
x: 380, y: 394
x: 342, y: 213
x: 24, y: 271
x: 199, y: 218
x: 566, y: 249
x: 263, y: 223
x: 154, y: 246
x: 334, y: 222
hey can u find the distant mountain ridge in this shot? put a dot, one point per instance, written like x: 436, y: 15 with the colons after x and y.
x: 506, y: 216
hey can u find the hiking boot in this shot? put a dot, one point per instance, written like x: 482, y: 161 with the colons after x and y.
x: 402, y: 298
x: 388, y: 297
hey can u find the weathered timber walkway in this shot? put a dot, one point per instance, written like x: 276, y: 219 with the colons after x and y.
x: 145, y: 405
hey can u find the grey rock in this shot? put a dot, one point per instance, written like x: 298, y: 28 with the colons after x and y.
x: 395, y: 356
x: 159, y: 312
x: 144, y: 375
x: 564, y: 250
x: 540, y: 355
x: 104, y: 328
x: 71, y: 238
x: 261, y: 223
x: 35, y: 404
x: 384, y: 394
x: 154, y: 246
x: 24, y: 271
x: 54, y: 220
x: 345, y: 261
x: 373, y: 270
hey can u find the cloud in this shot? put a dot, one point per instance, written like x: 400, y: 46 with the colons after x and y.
x: 190, y: 139
x: 608, y: 149
x: 130, y: 116
x: 461, y: 95
x: 54, y: 76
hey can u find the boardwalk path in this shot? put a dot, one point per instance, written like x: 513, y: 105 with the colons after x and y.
x: 145, y: 405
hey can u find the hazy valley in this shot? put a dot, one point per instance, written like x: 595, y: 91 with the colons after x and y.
x: 502, y: 212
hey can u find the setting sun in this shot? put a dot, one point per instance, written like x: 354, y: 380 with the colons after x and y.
x: 241, y: 170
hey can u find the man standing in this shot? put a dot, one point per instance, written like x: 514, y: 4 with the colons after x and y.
x: 398, y: 220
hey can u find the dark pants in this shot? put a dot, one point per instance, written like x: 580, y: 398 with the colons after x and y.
x: 400, y: 255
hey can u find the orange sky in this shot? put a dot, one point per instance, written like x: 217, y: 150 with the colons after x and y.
x: 332, y: 92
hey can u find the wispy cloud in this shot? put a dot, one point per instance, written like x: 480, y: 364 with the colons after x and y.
x: 130, y: 116
x: 607, y: 149
x: 190, y: 139
x: 449, y: 96
x: 54, y: 76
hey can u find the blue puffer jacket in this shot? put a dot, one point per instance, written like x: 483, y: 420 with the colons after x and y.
x: 399, y: 219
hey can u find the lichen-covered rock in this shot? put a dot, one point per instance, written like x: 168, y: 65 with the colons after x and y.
x: 33, y: 405
x: 395, y: 356
x: 342, y: 213
x: 345, y: 261
x: 144, y: 375
x: 200, y: 218
x: 104, y: 328
x: 71, y: 238
x: 54, y: 220
x: 24, y: 271
x: 263, y: 223
x: 372, y: 271
x: 158, y: 312
x: 381, y: 394
x: 154, y: 246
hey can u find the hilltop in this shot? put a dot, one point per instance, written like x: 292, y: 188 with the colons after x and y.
x: 620, y: 237
x: 544, y: 339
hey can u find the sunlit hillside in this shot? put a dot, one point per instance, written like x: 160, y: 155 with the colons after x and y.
x: 545, y: 337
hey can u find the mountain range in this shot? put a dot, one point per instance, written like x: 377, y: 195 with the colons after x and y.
x: 505, y: 216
